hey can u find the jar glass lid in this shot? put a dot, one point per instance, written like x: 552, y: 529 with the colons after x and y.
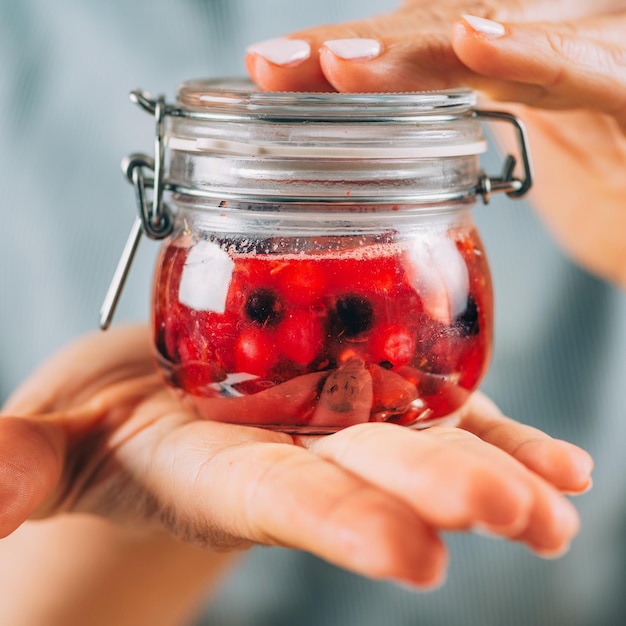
x: 240, y: 99
x: 232, y: 116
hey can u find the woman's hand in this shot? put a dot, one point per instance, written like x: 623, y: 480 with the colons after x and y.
x: 565, y: 62
x: 94, y: 430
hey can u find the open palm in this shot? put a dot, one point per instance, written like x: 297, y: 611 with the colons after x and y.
x: 95, y: 430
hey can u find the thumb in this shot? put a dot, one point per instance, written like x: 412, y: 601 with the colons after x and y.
x: 552, y: 66
x: 31, y: 463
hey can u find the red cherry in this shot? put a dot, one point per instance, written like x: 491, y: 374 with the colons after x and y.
x: 255, y: 352
x: 393, y: 343
x: 300, y: 336
x: 301, y: 283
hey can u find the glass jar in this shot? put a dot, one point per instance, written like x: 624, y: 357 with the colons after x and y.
x: 320, y: 267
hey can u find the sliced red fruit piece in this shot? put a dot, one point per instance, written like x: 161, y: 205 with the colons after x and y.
x: 392, y: 394
x: 288, y: 404
x: 346, y: 397
x: 440, y: 395
x: 251, y: 386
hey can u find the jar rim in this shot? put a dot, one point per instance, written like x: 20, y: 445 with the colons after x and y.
x: 236, y: 98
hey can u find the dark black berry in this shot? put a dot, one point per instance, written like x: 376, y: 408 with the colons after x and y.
x: 467, y: 322
x: 355, y: 314
x: 264, y: 307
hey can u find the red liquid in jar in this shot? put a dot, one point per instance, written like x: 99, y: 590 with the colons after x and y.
x: 314, y: 342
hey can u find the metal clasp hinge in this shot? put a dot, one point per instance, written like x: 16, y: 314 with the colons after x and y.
x: 155, y: 218
x: 513, y: 187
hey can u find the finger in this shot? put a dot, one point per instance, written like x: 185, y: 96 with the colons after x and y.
x: 548, y: 65
x: 258, y: 488
x: 455, y: 481
x: 286, y: 64
x: 562, y: 464
x: 391, y: 52
x: 31, y: 463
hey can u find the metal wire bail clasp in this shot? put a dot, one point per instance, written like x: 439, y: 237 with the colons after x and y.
x: 155, y: 218
x: 513, y: 187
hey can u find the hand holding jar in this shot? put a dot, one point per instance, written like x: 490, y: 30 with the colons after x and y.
x: 95, y: 431
x: 563, y: 72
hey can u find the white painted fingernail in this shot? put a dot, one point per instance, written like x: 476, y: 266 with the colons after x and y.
x: 354, y: 49
x: 488, y: 28
x: 282, y: 51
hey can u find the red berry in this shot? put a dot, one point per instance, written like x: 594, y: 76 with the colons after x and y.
x: 392, y: 394
x: 300, y: 283
x: 300, y: 336
x: 393, y: 343
x: 255, y: 352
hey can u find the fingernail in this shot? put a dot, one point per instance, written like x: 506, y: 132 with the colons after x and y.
x: 354, y: 49
x: 282, y: 51
x: 488, y: 28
